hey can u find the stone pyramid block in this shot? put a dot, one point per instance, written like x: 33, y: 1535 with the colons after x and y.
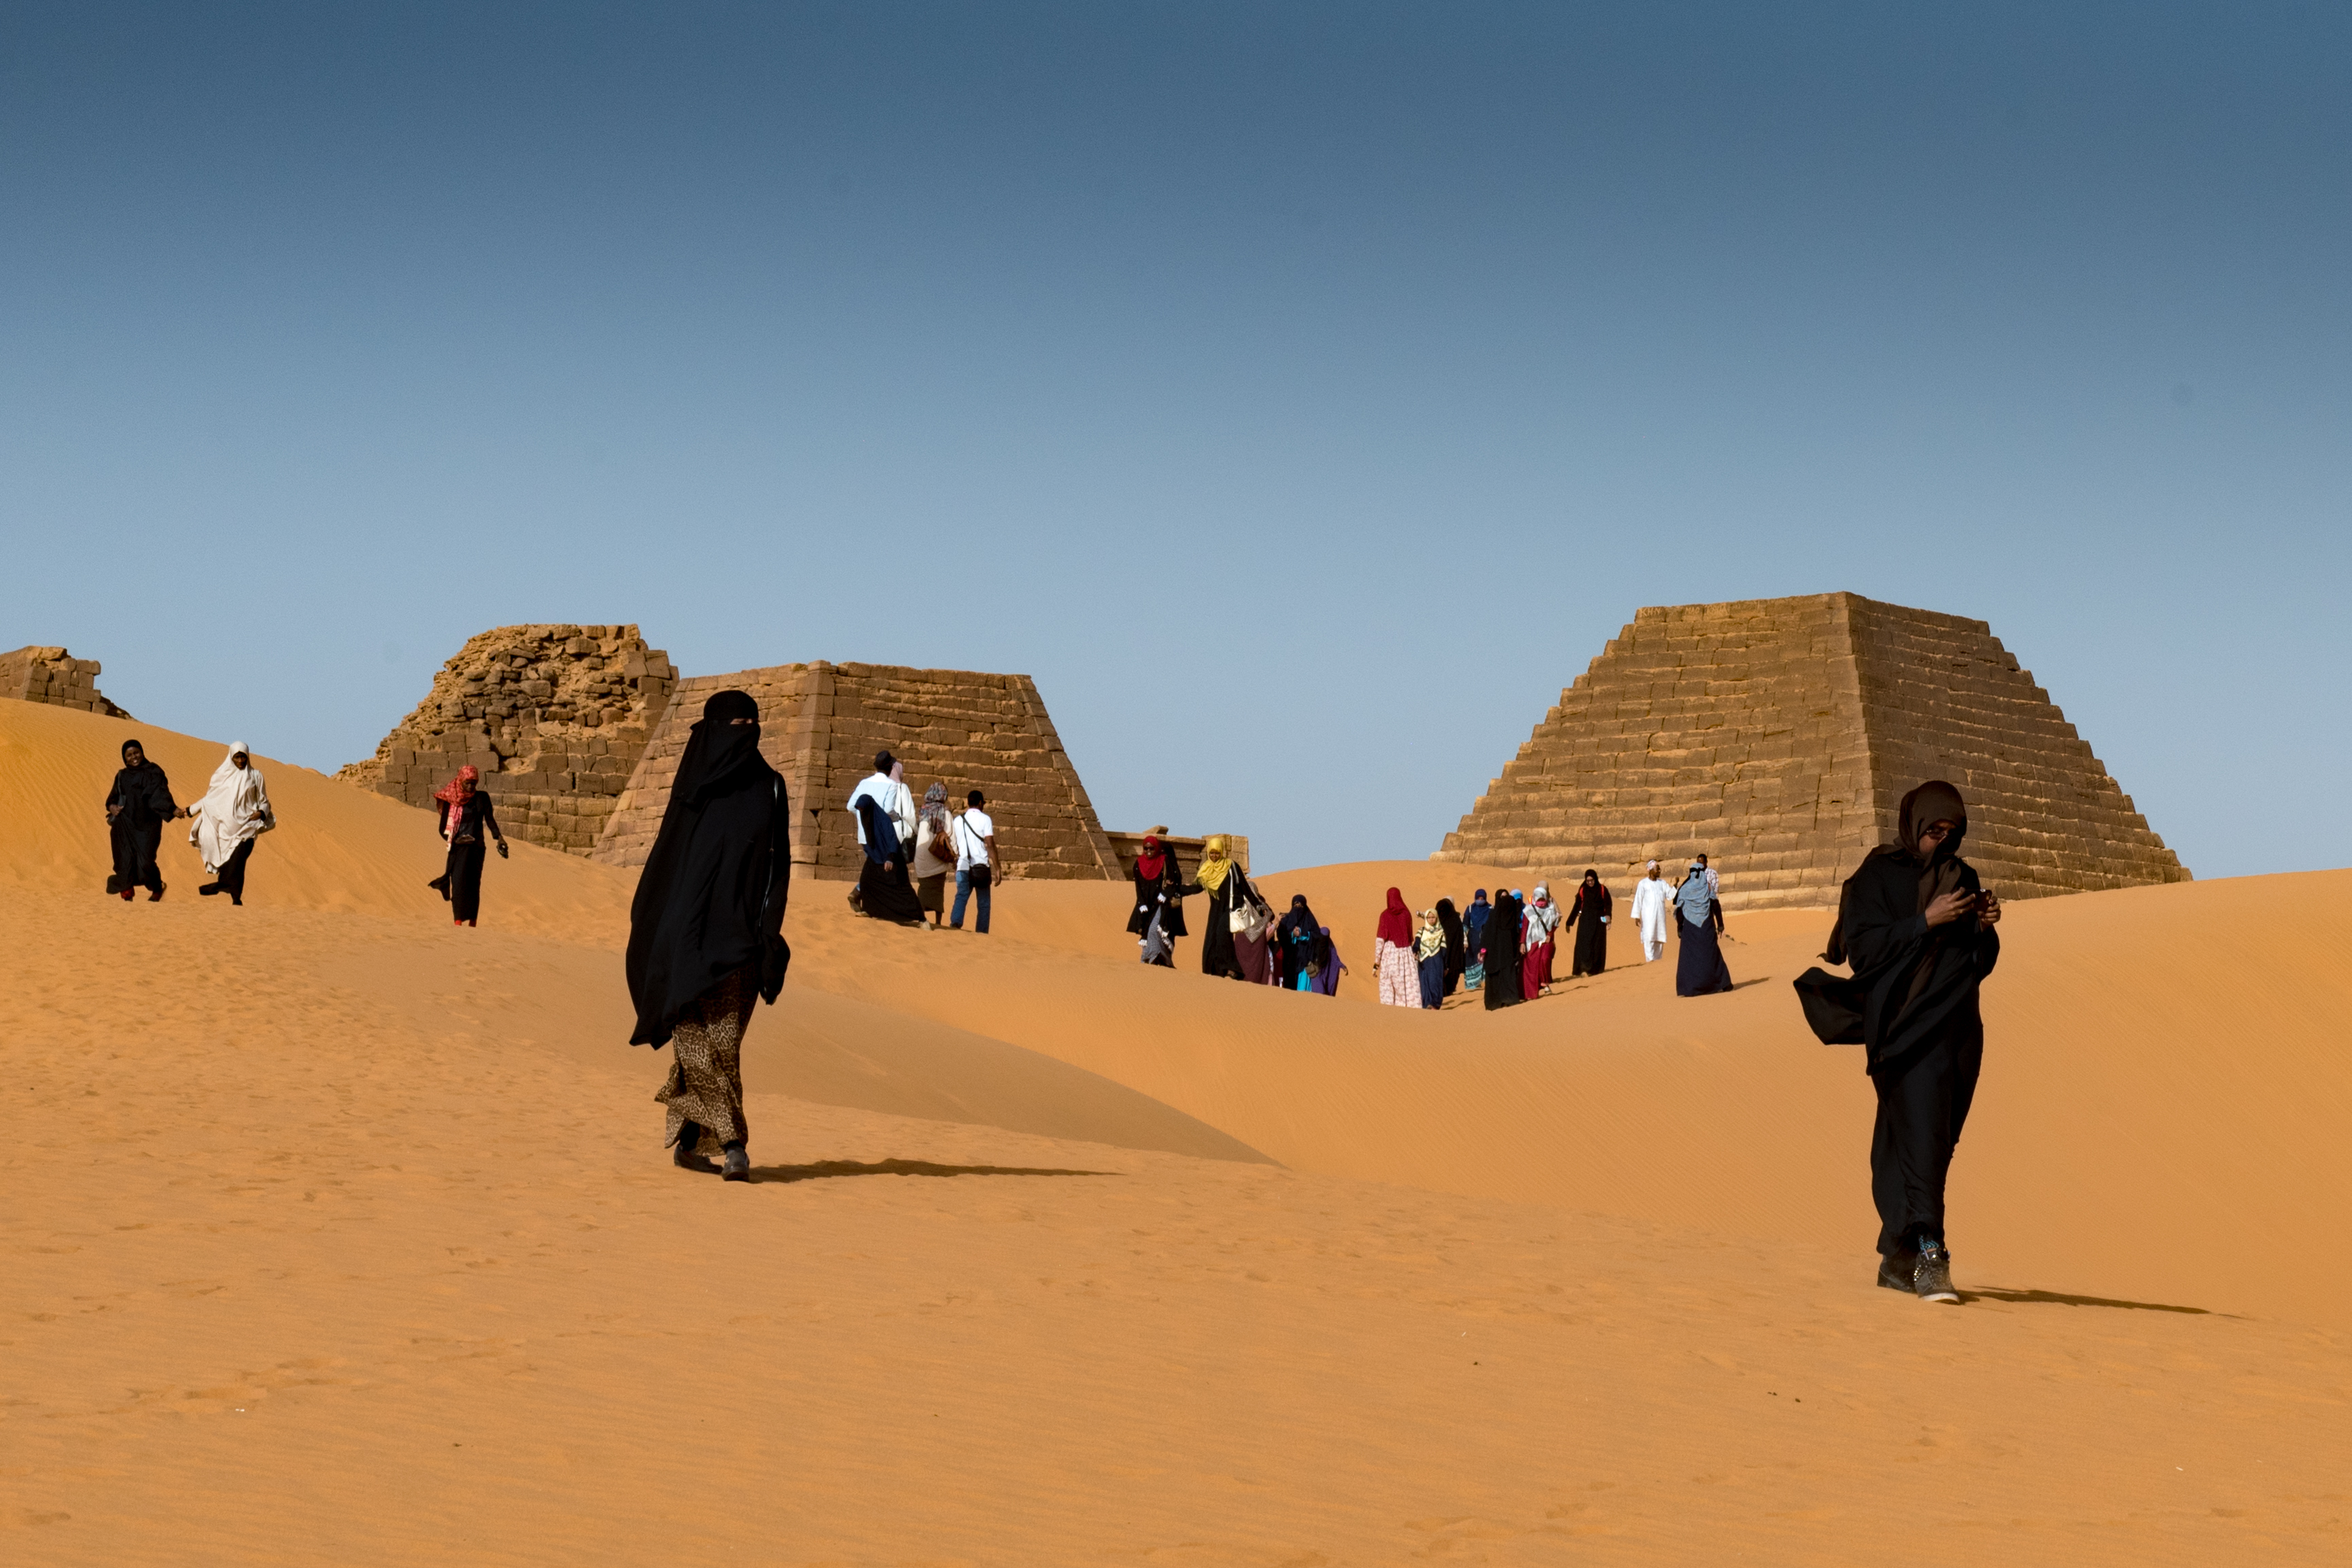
x: 1779, y: 737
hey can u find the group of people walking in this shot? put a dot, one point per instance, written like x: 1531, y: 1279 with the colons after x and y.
x: 1512, y: 943
x: 223, y: 823
x: 909, y: 851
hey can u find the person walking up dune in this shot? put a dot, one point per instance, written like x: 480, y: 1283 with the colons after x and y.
x: 1457, y: 945
x: 1159, y: 891
x: 1505, y: 959
x: 1428, y: 948
x: 976, y: 860
x: 1542, y: 921
x: 1232, y: 942
x: 1398, y: 971
x: 887, y: 787
x: 1474, y: 941
x: 1590, y: 915
x: 934, y: 853
x: 464, y: 816
x: 706, y: 929
x: 1651, y: 899
x: 233, y: 814
x: 136, y: 810
x: 1917, y: 927
x: 1699, y: 968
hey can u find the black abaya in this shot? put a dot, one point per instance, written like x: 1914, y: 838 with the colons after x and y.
x: 1149, y: 892
x: 1217, y: 955
x: 884, y: 892
x: 1699, y: 968
x: 460, y: 881
x: 142, y: 797
x: 1505, y: 963
x: 1591, y: 909
x: 710, y: 900
x: 1912, y: 1003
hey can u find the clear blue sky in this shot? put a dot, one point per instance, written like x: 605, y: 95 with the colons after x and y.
x: 1301, y: 393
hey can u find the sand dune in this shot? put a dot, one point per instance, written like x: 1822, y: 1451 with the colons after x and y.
x: 338, y: 1235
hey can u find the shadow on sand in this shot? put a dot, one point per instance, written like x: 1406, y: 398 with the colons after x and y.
x: 2060, y: 1299
x: 825, y: 1169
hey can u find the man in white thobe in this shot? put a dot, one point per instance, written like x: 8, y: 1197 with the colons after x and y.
x: 1651, y: 899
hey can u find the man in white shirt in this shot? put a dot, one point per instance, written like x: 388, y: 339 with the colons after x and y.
x: 974, y: 833
x: 891, y: 794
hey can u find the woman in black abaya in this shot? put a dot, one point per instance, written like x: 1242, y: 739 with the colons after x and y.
x: 1699, y: 968
x: 1221, y: 877
x: 1590, y: 915
x: 1296, y: 935
x: 884, y: 891
x: 1158, y: 881
x: 1504, y: 960
x: 706, y: 928
x: 136, y: 810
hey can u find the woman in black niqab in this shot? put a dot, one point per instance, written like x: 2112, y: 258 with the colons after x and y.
x: 1297, y: 932
x: 1503, y: 957
x: 706, y: 929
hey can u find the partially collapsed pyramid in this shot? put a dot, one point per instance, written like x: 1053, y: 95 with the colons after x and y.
x: 52, y: 675
x: 1779, y: 736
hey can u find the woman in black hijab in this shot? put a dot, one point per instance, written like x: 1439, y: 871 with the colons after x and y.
x: 1503, y: 959
x: 1917, y: 927
x: 1457, y: 949
x: 136, y: 810
x: 706, y: 930
x: 1297, y: 932
x: 1590, y: 915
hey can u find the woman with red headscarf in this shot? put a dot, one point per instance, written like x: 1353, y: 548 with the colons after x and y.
x: 1159, y: 892
x: 464, y: 816
x: 1393, y: 959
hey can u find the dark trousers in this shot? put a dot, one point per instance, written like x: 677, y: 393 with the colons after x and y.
x: 1922, y: 1106
x: 232, y: 875
x: 466, y: 880
x: 135, y: 855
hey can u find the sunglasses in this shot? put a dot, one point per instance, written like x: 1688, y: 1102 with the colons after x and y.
x: 1938, y: 831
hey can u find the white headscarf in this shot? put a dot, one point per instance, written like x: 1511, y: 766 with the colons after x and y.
x: 236, y: 807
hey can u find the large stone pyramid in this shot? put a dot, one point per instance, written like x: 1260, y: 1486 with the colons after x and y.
x: 1779, y: 736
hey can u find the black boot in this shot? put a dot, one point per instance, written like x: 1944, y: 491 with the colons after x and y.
x: 685, y: 1159
x: 739, y: 1163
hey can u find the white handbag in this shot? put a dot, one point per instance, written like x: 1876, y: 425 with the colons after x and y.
x: 1249, y: 916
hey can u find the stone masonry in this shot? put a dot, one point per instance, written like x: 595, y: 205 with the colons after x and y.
x: 556, y: 719
x: 54, y: 677
x: 820, y: 725
x: 1779, y: 736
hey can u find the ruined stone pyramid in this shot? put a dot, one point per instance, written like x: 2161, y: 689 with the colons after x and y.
x: 1779, y: 737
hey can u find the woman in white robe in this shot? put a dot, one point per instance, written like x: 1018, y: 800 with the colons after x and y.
x: 233, y: 814
x: 1651, y: 897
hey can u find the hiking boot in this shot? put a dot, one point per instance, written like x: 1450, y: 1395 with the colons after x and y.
x: 208, y: 889
x: 1897, y: 1270
x: 686, y: 1159
x: 1932, y: 1279
x: 738, y: 1164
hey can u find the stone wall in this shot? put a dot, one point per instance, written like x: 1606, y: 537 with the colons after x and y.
x: 821, y: 724
x: 555, y: 717
x: 54, y: 677
x: 1779, y: 738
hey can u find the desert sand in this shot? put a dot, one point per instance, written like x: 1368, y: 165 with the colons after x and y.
x: 336, y: 1234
